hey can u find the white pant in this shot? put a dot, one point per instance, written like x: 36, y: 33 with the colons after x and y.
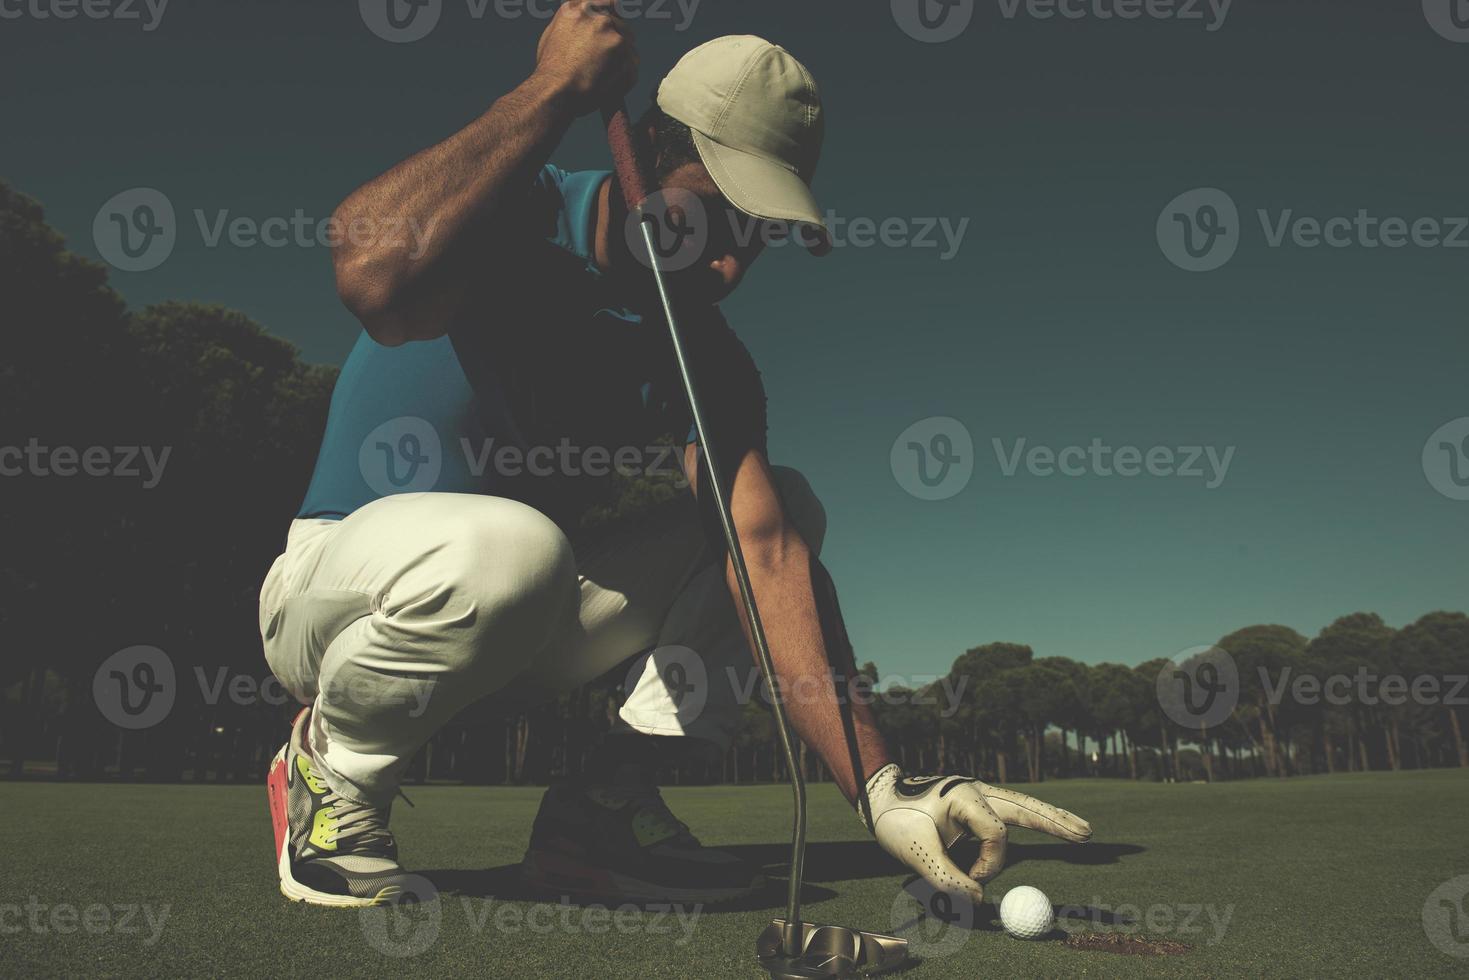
x: 391, y: 621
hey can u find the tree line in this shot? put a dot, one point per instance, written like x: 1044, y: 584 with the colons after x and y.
x: 101, y: 559
x: 1358, y: 696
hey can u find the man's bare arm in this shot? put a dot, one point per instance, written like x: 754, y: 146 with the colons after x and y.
x: 915, y: 820
x: 459, y: 195
x: 794, y: 596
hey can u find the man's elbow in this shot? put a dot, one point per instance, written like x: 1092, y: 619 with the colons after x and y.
x: 367, y: 295
x: 772, y: 545
x: 372, y: 284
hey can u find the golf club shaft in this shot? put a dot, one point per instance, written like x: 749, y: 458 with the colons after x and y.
x: 636, y: 185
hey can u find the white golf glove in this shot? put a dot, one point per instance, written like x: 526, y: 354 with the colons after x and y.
x: 917, y: 819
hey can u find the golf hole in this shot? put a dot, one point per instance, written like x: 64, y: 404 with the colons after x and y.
x: 1116, y: 942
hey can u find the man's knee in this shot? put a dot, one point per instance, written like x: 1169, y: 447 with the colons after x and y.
x: 497, y: 579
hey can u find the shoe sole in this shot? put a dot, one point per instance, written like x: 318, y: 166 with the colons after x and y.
x: 276, y: 790
x: 555, y: 873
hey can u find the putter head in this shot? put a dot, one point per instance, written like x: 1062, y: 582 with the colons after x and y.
x: 829, y: 951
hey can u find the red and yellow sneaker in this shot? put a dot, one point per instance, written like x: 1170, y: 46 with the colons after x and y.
x: 330, y: 850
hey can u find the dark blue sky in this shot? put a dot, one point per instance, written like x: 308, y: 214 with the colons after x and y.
x: 1060, y: 320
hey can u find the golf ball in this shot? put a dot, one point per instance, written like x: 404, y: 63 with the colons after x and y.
x: 1026, y: 913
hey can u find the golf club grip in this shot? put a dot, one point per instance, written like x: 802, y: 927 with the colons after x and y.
x: 625, y: 158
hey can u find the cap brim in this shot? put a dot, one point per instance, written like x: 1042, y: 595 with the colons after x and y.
x: 763, y: 188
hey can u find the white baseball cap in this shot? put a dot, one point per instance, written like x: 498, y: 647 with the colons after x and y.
x: 755, y: 113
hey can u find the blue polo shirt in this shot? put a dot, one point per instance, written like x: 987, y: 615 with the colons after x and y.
x: 552, y: 390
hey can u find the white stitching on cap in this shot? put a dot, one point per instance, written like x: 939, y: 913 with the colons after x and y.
x: 735, y: 92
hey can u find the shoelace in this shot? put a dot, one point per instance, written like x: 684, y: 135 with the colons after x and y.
x: 650, y: 800
x: 363, y: 828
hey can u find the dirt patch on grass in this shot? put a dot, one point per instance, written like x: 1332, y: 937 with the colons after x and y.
x: 1116, y: 942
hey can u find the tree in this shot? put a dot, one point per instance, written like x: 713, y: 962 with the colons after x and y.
x: 220, y: 422
x: 1262, y: 654
x: 1437, y: 646
x: 1359, y: 645
x: 988, y: 719
x: 1068, y: 710
x: 1044, y: 693
x: 1110, y: 700
x: 65, y: 381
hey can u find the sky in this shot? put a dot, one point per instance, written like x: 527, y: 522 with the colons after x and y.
x: 1074, y: 160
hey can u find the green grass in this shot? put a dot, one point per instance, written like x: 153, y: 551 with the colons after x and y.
x: 1318, y: 876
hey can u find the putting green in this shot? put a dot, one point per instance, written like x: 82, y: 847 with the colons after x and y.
x: 1304, y: 877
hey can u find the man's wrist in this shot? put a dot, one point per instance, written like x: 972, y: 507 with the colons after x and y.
x: 875, y: 792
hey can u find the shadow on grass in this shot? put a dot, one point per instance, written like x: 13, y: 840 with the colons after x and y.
x: 505, y: 884
x: 1093, y: 853
x: 848, y: 860
x: 826, y: 862
x: 859, y: 859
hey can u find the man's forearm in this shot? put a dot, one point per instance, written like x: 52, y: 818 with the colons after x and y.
x: 451, y: 195
x: 804, y: 628
x: 812, y: 660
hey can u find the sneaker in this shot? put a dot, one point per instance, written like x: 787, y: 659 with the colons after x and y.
x: 623, y: 843
x: 329, y: 850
